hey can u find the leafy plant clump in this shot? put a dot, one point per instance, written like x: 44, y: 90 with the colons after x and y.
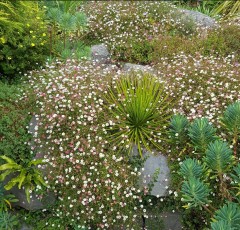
x: 24, y: 41
x: 67, y: 29
x: 211, y: 182
x: 14, y: 110
x: 8, y: 221
x: 28, y: 176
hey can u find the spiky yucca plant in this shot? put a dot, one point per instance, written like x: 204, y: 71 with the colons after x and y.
x: 139, y: 107
x: 230, y: 9
x: 201, y: 133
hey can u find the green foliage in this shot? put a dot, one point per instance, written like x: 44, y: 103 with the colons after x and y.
x: 221, y: 225
x: 8, y: 221
x: 231, y: 118
x: 28, y: 176
x: 25, y: 46
x: 191, y: 168
x: 215, y: 168
x: 67, y: 27
x: 6, y: 200
x: 178, y: 128
x: 222, y: 41
x: 195, y: 193
x: 236, y: 178
x: 230, y: 9
x: 230, y: 214
x: 14, y: 118
x: 219, y: 157
x: 139, y: 108
x: 201, y: 133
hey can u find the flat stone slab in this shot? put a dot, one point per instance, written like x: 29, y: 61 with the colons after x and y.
x: 172, y: 221
x: 135, y: 67
x: 154, y: 162
x: 100, y: 54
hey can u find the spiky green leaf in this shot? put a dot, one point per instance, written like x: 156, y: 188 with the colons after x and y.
x: 178, y: 128
x: 219, y: 156
x: 230, y: 213
x: 201, y: 133
x: 191, y: 168
x: 195, y: 193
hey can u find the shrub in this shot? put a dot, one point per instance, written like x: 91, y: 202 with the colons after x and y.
x: 223, y: 41
x: 24, y: 46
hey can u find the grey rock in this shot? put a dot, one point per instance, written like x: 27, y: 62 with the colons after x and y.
x: 35, y: 203
x: 200, y: 18
x: 100, y: 54
x: 155, y: 162
x: 25, y: 227
x: 135, y: 67
x: 172, y: 221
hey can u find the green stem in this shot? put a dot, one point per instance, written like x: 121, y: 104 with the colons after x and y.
x: 64, y: 39
x: 235, y: 144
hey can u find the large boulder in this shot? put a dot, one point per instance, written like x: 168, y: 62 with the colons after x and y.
x: 153, y: 163
x: 100, y: 54
x: 199, y: 18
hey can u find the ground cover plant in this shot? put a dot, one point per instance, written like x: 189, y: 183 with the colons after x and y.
x: 167, y: 32
x: 89, y: 116
x: 128, y: 35
x: 95, y: 184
